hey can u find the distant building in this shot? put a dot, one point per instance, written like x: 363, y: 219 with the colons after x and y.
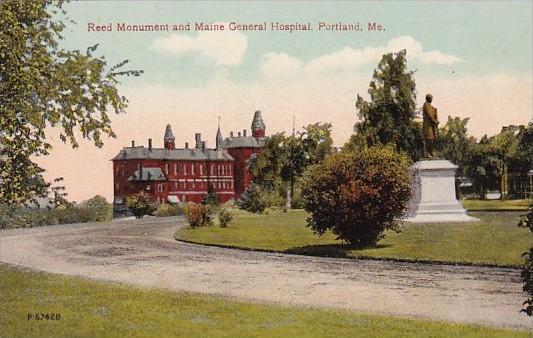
x: 187, y: 174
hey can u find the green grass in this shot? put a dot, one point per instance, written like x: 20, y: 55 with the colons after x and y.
x: 97, y: 309
x: 496, y: 240
x: 495, y: 205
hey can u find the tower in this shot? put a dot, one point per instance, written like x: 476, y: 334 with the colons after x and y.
x: 219, y: 136
x: 169, y: 138
x: 258, y: 126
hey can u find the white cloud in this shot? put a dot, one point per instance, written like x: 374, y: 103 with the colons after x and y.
x: 223, y: 48
x: 280, y: 65
x: 350, y: 59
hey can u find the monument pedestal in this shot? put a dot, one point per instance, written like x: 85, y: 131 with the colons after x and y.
x: 433, y: 199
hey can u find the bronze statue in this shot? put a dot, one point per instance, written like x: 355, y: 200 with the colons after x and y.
x: 429, y: 127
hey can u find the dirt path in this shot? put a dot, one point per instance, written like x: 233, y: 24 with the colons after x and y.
x: 145, y: 253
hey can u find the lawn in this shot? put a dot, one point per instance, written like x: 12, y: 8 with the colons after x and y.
x: 97, y: 309
x: 497, y: 205
x: 496, y: 240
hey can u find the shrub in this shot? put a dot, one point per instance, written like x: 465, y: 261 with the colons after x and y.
x: 12, y: 217
x: 527, y: 270
x: 224, y: 217
x: 198, y: 215
x: 99, y: 207
x: 252, y: 199
x: 141, y: 204
x: 358, y: 195
x: 168, y: 210
x: 212, y: 200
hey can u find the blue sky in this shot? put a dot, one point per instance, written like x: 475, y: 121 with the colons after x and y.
x: 489, y: 36
x: 475, y: 57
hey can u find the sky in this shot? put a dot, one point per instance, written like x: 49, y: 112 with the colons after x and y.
x: 475, y: 57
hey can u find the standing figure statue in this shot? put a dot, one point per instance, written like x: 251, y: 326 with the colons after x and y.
x: 429, y: 127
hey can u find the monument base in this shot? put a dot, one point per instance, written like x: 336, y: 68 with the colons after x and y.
x: 433, y: 200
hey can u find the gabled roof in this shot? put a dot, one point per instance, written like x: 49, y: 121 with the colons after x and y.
x: 243, y: 142
x: 148, y: 174
x: 139, y: 153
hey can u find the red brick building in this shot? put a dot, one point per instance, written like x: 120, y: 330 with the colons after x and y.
x: 178, y: 175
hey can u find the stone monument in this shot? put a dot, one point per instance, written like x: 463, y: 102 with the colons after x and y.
x: 433, y: 181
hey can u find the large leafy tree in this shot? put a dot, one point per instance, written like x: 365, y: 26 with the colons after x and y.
x: 454, y: 143
x: 283, y: 159
x: 388, y: 118
x: 43, y: 86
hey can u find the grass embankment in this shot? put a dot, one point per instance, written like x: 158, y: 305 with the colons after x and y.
x: 98, y: 309
x: 496, y: 240
x: 497, y: 205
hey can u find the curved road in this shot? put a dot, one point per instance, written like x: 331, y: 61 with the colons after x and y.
x: 144, y: 253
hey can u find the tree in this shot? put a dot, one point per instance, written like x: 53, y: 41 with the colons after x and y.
x: 527, y: 270
x: 358, y: 195
x: 454, y: 143
x: 389, y: 116
x: 141, y: 204
x: 284, y: 158
x: 43, y: 85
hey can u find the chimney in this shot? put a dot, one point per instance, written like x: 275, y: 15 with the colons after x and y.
x: 186, y: 145
x: 244, y: 132
x: 198, y: 138
x: 133, y: 144
x: 239, y: 134
x: 150, y: 144
x: 203, y: 145
x: 231, y: 134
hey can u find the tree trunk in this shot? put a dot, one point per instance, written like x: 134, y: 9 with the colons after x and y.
x: 288, y: 202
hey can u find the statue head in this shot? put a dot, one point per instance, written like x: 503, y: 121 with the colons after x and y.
x: 429, y: 98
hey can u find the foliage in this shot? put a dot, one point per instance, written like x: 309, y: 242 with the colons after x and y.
x: 283, y: 159
x: 252, y: 199
x: 100, y: 207
x: 358, y: 195
x: 388, y: 118
x: 224, y: 217
x: 454, y: 143
x: 212, y: 200
x: 141, y: 204
x: 45, y: 86
x: 198, y: 215
x: 527, y: 270
x: 169, y: 210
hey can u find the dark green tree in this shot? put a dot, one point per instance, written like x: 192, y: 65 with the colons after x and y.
x: 388, y: 118
x: 43, y: 86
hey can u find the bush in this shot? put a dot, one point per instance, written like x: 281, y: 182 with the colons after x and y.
x: 198, y: 215
x: 252, y: 200
x: 168, y: 210
x: 211, y: 199
x: 358, y: 195
x: 527, y: 270
x: 99, y: 207
x: 141, y: 204
x: 224, y: 217
x: 11, y: 217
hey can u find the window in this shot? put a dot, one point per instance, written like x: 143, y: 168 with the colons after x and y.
x: 223, y: 185
x: 185, y: 185
x: 229, y: 169
x: 185, y: 169
x: 160, y: 187
x: 212, y: 169
x: 166, y: 168
x: 192, y: 169
x: 117, y: 186
x: 176, y: 185
x: 201, y: 169
x: 175, y: 169
x: 193, y: 184
x: 183, y: 198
